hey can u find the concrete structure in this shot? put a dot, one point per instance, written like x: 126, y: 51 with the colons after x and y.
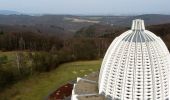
x: 135, y: 67
x: 86, y: 88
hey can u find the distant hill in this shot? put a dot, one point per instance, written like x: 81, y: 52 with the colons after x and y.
x: 105, y: 31
x: 78, y: 21
x: 9, y: 12
x: 101, y: 31
x: 38, y: 29
x: 55, y: 21
x: 48, y: 24
x: 150, y: 19
x: 67, y: 25
x: 162, y: 30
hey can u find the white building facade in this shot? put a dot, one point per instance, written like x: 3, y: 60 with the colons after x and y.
x: 135, y: 66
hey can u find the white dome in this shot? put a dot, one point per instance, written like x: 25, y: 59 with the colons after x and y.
x: 136, y: 66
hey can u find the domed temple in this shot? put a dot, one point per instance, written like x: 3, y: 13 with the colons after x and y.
x: 135, y: 67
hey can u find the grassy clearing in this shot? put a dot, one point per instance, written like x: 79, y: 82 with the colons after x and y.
x: 37, y: 87
x: 10, y: 55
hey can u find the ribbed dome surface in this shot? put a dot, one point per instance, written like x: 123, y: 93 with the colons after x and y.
x: 135, y: 66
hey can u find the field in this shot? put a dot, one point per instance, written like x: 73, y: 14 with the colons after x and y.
x: 37, y: 87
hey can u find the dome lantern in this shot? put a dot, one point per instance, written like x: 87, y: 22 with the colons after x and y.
x: 138, y: 24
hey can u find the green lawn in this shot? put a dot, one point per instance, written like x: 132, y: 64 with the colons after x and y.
x: 39, y: 86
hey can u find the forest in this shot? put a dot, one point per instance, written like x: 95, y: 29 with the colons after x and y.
x: 36, y: 53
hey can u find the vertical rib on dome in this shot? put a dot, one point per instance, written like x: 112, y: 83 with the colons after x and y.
x: 138, y: 24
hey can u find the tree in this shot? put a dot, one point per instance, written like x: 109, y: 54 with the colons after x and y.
x: 21, y: 44
x: 1, y: 32
x: 22, y: 66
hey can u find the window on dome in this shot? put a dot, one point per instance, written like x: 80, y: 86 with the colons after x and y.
x: 127, y: 97
x: 149, y: 92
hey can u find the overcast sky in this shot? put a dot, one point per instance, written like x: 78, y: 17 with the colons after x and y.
x: 87, y: 6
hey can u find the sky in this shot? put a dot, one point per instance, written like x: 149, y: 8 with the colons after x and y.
x: 114, y: 7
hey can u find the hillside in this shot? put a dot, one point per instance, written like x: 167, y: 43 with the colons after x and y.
x: 106, y: 31
x: 37, y: 87
x: 52, y: 24
x: 29, y: 53
x: 66, y: 25
x: 99, y: 30
x: 36, y: 29
x: 150, y: 19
